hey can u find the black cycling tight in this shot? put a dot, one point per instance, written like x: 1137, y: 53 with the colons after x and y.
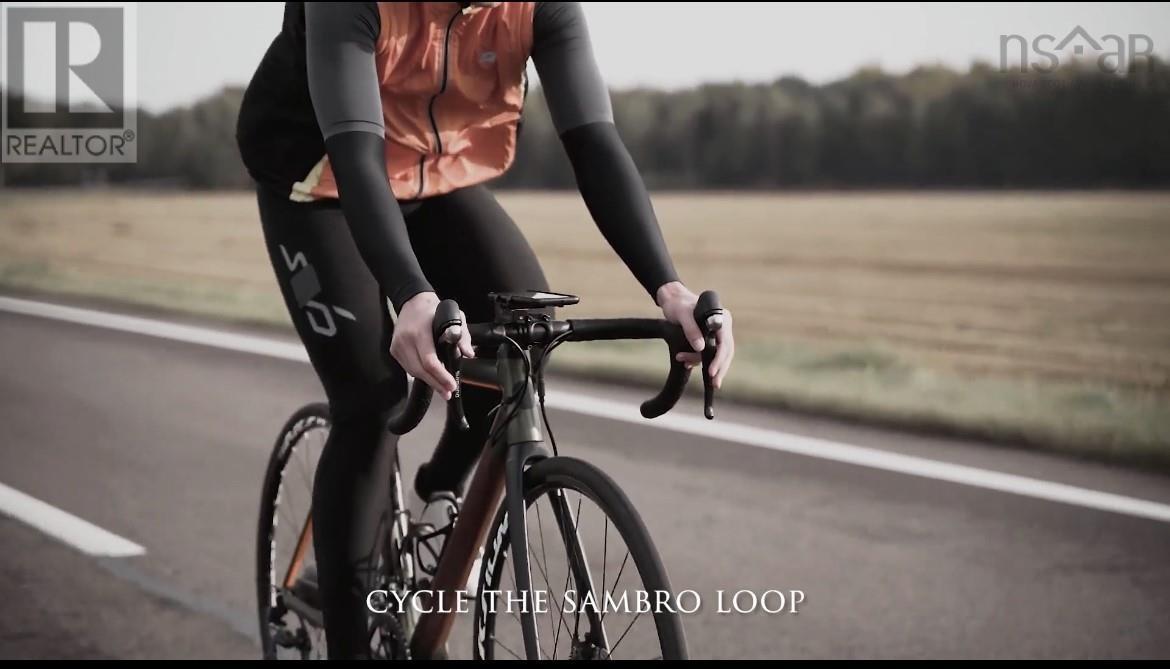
x: 467, y: 246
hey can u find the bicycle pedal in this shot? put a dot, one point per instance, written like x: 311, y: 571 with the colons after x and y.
x: 288, y: 639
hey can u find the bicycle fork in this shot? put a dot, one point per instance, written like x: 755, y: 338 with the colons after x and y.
x: 525, y: 447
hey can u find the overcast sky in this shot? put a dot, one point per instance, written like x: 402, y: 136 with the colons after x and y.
x: 187, y: 50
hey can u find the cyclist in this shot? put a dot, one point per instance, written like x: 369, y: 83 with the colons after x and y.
x: 370, y: 129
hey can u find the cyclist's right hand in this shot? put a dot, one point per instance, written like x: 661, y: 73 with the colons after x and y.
x: 413, y: 345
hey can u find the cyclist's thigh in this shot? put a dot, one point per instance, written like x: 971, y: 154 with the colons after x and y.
x: 468, y: 246
x: 334, y: 301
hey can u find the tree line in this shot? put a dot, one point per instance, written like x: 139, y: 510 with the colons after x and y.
x: 933, y: 127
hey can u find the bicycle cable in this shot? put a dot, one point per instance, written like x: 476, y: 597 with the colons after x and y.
x: 539, y: 374
x: 529, y: 374
x: 516, y: 394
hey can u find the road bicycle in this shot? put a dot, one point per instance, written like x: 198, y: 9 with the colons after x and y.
x: 552, y: 582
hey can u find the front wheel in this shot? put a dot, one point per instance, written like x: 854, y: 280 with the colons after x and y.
x: 600, y: 590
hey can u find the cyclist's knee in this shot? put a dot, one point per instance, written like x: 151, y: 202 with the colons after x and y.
x: 356, y: 434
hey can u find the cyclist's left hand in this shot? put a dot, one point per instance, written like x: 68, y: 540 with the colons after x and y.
x: 678, y: 306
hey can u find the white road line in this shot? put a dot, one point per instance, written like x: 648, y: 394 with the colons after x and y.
x: 721, y: 430
x: 81, y: 534
x: 869, y: 457
x: 155, y: 328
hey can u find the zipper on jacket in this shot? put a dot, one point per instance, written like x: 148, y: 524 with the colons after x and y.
x: 431, y: 105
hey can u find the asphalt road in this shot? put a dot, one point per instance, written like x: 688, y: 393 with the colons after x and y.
x: 164, y: 443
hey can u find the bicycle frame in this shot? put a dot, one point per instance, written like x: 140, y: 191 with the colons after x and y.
x: 498, y: 479
x: 516, y: 440
x: 499, y: 475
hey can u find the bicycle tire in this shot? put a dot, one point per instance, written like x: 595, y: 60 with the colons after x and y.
x: 567, y: 473
x: 308, y: 417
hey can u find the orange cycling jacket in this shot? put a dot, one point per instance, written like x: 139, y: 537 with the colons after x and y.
x: 444, y: 82
x: 453, y: 87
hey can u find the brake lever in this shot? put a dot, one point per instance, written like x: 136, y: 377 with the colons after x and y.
x: 709, y: 317
x: 448, y: 327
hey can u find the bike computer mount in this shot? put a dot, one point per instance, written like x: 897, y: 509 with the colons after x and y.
x: 510, y: 305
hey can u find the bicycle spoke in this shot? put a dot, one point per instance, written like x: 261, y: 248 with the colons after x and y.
x: 577, y: 609
x: 501, y: 645
x: 577, y: 520
x: 604, y: 553
x: 544, y: 568
x: 515, y: 616
x: 568, y: 569
x: 287, y: 501
x: 307, y: 465
x: 577, y: 622
x: 561, y: 622
x: 282, y: 499
x: 290, y: 527
x: 296, y: 508
x: 623, y: 636
x: 618, y: 579
x: 539, y: 566
x: 565, y: 588
x: 296, y: 513
x: 508, y: 574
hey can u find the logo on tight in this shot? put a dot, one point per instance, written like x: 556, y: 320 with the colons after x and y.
x: 306, y: 287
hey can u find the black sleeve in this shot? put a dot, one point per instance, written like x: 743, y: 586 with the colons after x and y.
x: 607, y: 177
x: 343, y: 84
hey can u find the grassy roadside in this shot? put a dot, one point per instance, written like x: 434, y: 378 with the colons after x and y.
x: 863, y: 384
x: 211, y: 265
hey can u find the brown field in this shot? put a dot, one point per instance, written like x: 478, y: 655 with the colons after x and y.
x: 1042, y: 317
